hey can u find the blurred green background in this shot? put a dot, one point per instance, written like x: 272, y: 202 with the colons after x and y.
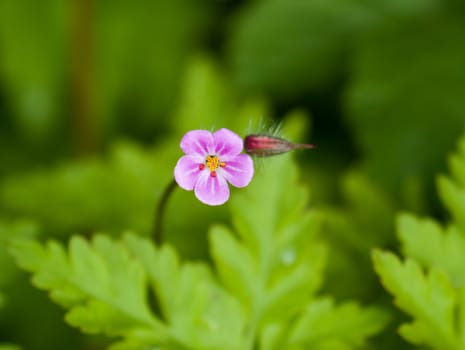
x: 95, y: 95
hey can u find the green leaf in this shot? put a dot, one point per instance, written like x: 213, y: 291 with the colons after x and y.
x: 103, y: 288
x: 429, y: 298
x: 277, y: 263
x: 104, y: 284
x: 453, y: 197
x: 272, y: 262
x: 235, y: 264
x: 435, y: 297
x: 452, y: 188
x: 10, y: 230
x: 201, y: 314
x: 346, y: 326
x: 278, y: 202
x: 433, y: 246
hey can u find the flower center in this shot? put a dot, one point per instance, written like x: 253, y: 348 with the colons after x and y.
x: 212, y: 162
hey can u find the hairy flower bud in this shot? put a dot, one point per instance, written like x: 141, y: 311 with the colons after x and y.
x: 266, y: 145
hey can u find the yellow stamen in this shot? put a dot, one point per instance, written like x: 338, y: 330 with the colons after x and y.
x: 212, y: 162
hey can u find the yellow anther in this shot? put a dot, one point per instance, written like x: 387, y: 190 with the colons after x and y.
x: 212, y: 162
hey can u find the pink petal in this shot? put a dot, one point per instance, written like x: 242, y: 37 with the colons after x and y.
x: 227, y: 144
x: 198, y: 142
x: 186, y: 172
x: 211, y: 190
x: 239, y: 171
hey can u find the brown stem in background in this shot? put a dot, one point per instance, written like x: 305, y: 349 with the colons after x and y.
x: 83, y: 126
x: 160, y: 211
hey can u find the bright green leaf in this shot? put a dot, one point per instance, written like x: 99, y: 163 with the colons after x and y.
x: 430, y: 299
x: 432, y: 246
x: 272, y: 262
x: 235, y: 265
x: 103, y: 288
x: 200, y: 313
x: 324, y: 325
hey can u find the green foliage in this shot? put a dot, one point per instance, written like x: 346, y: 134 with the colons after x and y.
x: 269, y: 273
x: 200, y: 314
x: 430, y: 299
x: 391, y: 56
x: 274, y: 263
x: 452, y: 189
x: 10, y: 230
x: 271, y: 53
x: 35, y: 53
x: 103, y: 286
x: 119, y: 191
x: 383, y: 82
x: 166, y: 32
x: 393, y: 125
x: 9, y: 347
x: 364, y: 221
x: 433, y: 297
x: 336, y: 327
x: 33, y: 61
x: 432, y: 245
x: 8, y: 270
x: 113, y: 193
x: 208, y: 102
x: 278, y: 265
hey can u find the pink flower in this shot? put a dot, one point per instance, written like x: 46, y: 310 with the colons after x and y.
x: 211, y: 161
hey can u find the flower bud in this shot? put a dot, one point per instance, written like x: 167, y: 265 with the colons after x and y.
x: 265, y: 145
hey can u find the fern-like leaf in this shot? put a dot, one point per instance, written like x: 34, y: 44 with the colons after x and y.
x: 272, y: 262
x: 103, y: 285
x: 100, y: 284
x: 429, y: 298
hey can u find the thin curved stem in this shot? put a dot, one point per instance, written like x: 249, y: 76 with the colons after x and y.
x: 160, y: 212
